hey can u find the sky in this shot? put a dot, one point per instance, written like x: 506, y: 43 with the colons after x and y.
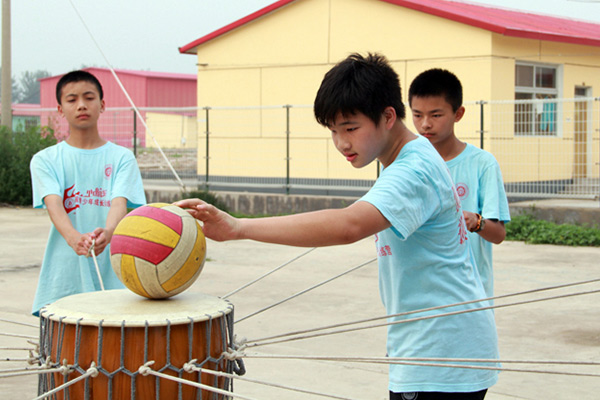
x: 146, y: 34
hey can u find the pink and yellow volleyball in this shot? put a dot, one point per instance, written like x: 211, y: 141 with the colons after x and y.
x: 158, y: 250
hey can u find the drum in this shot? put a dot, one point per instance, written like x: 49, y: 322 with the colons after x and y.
x: 120, y: 331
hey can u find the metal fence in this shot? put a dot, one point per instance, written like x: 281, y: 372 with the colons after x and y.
x: 546, y: 148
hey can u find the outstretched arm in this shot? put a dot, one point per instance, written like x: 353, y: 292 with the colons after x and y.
x: 78, y: 241
x: 312, y: 229
x: 118, y: 209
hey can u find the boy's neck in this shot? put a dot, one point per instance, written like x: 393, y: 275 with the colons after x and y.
x: 401, y: 136
x: 88, y: 139
x: 450, y: 148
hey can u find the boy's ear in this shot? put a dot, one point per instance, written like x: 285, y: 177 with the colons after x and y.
x: 389, y: 115
x: 459, y: 113
x: 102, y: 105
x: 60, y: 111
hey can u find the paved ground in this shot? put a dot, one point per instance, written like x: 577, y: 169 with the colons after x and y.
x: 562, y: 329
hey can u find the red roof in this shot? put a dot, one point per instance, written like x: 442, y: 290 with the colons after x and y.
x: 145, y: 74
x: 498, y: 20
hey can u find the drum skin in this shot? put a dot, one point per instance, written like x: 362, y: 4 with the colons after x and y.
x: 120, y: 331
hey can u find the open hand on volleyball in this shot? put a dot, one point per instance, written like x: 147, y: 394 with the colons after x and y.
x: 216, y: 224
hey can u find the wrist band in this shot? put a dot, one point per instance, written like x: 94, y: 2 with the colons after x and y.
x: 480, y: 223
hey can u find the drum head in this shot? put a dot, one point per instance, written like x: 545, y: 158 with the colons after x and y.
x: 120, y: 307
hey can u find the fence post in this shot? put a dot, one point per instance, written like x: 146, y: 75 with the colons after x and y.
x: 287, y: 148
x: 481, y: 122
x: 206, y: 109
x: 598, y: 100
x: 134, y: 134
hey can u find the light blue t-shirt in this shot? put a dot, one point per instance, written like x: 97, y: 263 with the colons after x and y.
x: 425, y: 261
x: 478, y: 181
x: 87, y: 181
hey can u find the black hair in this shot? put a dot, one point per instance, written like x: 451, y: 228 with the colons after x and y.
x: 77, y: 76
x: 359, y: 84
x: 437, y: 82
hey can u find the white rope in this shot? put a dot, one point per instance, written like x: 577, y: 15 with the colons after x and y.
x: 18, y: 323
x: 266, y: 342
x: 137, y: 111
x: 305, y: 291
x: 16, y: 348
x: 30, y: 371
x: 93, y: 253
x: 91, y: 371
x: 190, y: 367
x: 268, y: 273
x: 427, y: 310
x: 146, y: 370
x: 18, y: 335
x: 445, y: 362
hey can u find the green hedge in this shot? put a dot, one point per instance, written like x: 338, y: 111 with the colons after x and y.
x: 16, y: 150
x: 530, y: 230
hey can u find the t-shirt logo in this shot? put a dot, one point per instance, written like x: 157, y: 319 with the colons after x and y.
x: 108, y: 169
x: 70, y: 200
x: 463, y: 190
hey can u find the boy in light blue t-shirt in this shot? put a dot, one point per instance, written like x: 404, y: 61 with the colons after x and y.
x: 435, y: 98
x: 420, y: 235
x: 86, y: 183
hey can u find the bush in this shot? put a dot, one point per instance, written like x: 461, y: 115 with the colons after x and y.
x: 16, y: 150
x: 530, y: 230
x: 209, y: 197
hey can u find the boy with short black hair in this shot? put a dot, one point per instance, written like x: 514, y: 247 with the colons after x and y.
x: 415, y: 216
x: 86, y: 183
x: 435, y: 98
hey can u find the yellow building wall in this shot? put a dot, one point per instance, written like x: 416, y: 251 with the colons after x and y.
x: 247, y: 75
x: 171, y: 130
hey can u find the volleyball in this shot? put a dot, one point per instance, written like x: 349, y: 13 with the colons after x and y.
x: 158, y: 250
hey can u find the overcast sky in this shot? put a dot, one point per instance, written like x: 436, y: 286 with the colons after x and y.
x: 146, y: 34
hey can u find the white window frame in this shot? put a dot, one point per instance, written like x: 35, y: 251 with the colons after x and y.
x: 539, y: 105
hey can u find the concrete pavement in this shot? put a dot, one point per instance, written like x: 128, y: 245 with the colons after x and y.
x: 560, y: 329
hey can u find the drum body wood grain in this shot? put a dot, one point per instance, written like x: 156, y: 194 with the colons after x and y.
x: 119, y: 331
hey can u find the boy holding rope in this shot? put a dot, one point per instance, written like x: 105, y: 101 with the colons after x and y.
x: 435, y: 98
x: 86, y: 183
x: 420, y: 235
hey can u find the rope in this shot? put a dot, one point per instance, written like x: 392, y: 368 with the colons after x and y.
x: 137, y: 111
x: 190, y: 367
x: 268, y: 273
x: 266, y: 342
x: 93, y: 253
x: 427, y: 309
x: 305, y: 290
x: 146, y: 370
x: 18, y: 335
x: 91, y: 371
x: 445, y: 362
x: 18, y: 323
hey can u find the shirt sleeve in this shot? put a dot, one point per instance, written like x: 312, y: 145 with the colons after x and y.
x: 44, y: 180
x: 492, y: 196
x: 404, y: 199
x: 128, y: 182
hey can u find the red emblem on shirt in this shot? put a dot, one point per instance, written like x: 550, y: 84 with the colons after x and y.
x: 107, y: 171
x: 463, y: 190
x: 69, y: 200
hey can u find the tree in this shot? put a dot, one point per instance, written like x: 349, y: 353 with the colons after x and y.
x: 29, y: 90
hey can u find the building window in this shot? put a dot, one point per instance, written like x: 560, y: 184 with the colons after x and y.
x: 536, y: 88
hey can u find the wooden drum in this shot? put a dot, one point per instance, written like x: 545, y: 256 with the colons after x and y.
x: 120, y: 331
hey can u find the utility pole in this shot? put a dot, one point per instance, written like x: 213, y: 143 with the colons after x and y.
x: 6, y: 95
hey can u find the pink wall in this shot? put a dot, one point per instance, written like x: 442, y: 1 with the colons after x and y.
x: 146, y: 89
